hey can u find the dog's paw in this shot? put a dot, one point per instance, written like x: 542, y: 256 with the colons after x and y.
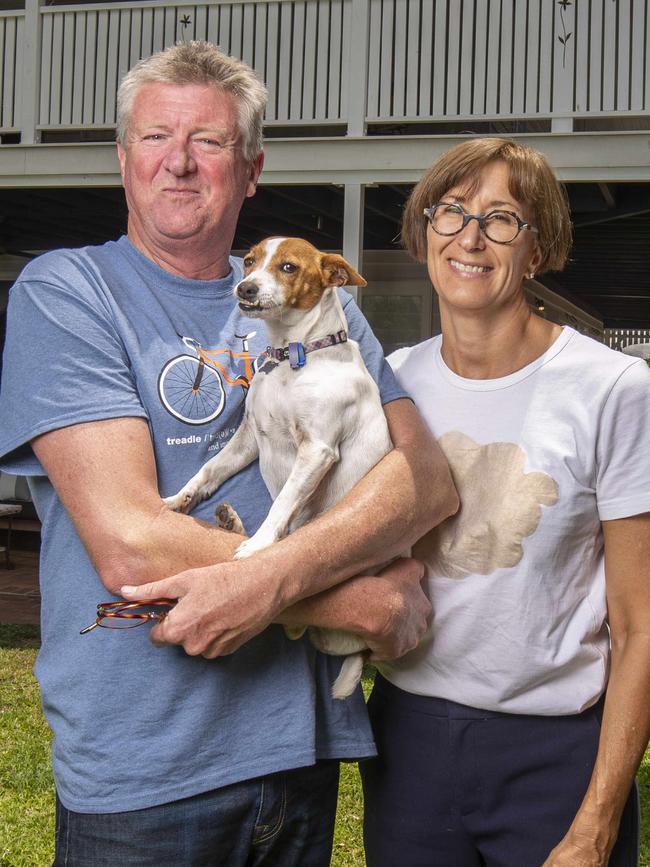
x: 252, y: 545
x: 174, y: 503
x: 295, y: 632
x: 184, y: 501
x: 227, y: 519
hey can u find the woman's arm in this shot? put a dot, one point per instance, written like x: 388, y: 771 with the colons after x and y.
x: 626, y: 719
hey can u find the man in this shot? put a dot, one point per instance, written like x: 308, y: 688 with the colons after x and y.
x: 191, y: 753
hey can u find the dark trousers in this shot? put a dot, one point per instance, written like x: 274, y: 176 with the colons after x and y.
x: 282, y: 820
x: 458, y: 787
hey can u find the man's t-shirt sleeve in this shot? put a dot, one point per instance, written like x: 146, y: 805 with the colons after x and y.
x: 64, y: 362
x: 371, y: 350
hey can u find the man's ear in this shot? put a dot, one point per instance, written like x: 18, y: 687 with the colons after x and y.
x: 254, y: 172
x: 121, y: 155
x: 338, y: 272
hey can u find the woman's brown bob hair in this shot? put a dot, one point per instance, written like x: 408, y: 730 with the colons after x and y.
x: 532, y: 183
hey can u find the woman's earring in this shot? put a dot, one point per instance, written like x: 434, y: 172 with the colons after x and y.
x: 531, y: 276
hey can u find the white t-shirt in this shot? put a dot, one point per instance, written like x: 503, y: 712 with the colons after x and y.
x: 516, y: 578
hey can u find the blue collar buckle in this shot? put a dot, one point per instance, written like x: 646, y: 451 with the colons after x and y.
x: 296, y: 356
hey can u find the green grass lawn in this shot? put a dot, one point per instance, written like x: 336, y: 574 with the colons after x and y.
x: 27, y: 793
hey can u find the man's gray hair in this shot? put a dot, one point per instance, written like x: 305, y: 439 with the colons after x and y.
x: 199, y: 63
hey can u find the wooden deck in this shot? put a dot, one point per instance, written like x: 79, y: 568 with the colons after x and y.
x: 19, y: 594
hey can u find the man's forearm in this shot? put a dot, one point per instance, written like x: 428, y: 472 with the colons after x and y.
x: 170, y: 543
x: 358, y: 605
x: 390, y: 611
x: 404, y: 495
x: 105, y: 474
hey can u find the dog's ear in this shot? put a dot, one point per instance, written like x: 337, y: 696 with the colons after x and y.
x: 338, y: 272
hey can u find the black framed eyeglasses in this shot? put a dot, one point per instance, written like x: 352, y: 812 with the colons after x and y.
x: 126, y: 615
x: 502, y: 227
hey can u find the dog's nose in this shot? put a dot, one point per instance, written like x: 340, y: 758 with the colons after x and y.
x: 247, y: 290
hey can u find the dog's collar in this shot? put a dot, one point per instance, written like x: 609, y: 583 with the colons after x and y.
x: 295, y: 353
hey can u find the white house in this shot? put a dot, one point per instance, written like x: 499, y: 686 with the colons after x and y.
x: 364, y: 94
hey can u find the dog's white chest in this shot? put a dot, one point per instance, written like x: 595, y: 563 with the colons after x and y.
x: 332, y: 401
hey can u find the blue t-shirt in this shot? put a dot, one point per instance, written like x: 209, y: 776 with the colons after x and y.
x: 97, y: 333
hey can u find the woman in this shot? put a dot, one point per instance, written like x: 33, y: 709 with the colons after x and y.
x: 495, y: 743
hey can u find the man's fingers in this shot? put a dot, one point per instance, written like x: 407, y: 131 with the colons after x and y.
x: 405, y: 567
x: 167, y: 588
x: 156, y: 636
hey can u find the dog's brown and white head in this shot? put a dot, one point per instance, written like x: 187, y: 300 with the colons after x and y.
x: 290, y: 274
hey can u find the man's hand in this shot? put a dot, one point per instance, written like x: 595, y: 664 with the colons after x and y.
x: 390, y: 611
x: 219, y: 607
x: 222, y: 607
x: 404, y: 609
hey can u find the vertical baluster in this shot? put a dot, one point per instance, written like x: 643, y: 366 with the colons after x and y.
x: 374, y: 55
x: 342, y: 69
x: 492, y: 65
x: 90, y: 65
x: 297, y: 67
x: 7, y: 71
x: 111, y: 67
x: 387, y: 59
x: 624, y: 49
x: 400, y: 51
x: 271, y: 61
x: 465, y: 60
x: 69, y: 49
x: 322, y: 60
x: 609, y: 56
x: 426, y: 60
x: 519, y: 59
x: 508, y: 15
x: 582, y: 58
x: 638, y: 38
x: 54, y: 114
x: 79, y: 65
x: 438, y: 73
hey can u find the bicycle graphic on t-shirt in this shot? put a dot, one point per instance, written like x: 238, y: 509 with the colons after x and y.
x: 191, y: 386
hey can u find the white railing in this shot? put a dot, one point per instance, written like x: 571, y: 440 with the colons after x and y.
x: 507, y: 58
x: 619, y: 338
x: 11, y: 42
x: 341, y: 61
x: 298, y: 46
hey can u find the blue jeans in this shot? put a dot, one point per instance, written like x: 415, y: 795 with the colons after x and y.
x: 454, y: 786
x: 284, y: 819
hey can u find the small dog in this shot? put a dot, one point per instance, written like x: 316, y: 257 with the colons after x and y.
x: 313, y: 413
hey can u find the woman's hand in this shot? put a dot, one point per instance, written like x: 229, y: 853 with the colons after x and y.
x: 586, y: 844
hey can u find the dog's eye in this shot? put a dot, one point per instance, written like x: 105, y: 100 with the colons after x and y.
x: 288, y: 267
x: 248, y: 261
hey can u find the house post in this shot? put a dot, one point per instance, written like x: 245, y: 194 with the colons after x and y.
x: 353, y: 229
x: 357, y: 78
x: 31, y: 72
x: 564, y: 61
